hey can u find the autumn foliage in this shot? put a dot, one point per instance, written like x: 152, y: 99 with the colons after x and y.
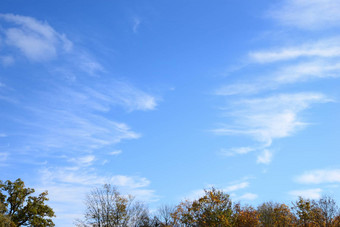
x: 215, y: 208
x: 107, y: 207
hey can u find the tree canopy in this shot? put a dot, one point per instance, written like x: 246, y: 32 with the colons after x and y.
x: 18, y: 207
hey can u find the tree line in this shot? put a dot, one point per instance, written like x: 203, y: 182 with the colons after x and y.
x: 107, y: 207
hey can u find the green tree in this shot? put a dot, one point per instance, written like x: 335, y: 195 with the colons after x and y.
x: 19, y: 208
x: 213, y: 209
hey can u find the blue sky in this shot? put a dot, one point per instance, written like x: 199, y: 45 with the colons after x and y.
x: 166, y: 98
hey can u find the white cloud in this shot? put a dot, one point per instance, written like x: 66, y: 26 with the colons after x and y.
x: 80, y: 175
x: 265, y: 157
x: 270, y: 118
x: 266, y: 119
x: 68, y: 187
x: 135, y: 99
x: 136, y: 24
x: 237, y: 151
x: 115, y: 152
x: 242, y: 88
x: 230, y: 188
x: 89, y: 65
x: 235, y: 187
x: 317, y: 60
x: 195, y: 194
x: 307, y: 71
x: 319, y: 177
x: 37, y: 40
x: 247, y: 196
x: 314, y: 193
x: 70, y: 119
x: 294, y: 73
x: 84, y: 160
x: 325, y: 48
x: 308, y: 14
x: 101, y: 96
x: 75, y: 117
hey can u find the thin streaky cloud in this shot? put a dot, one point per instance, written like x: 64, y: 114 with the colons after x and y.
x: 228, y: 189
x: 325, y: 48
x: 115, y: 152
x: 83, y: 176
x: 307, y: 71
x: 68, y: 115
x: 86, y: 160
x: 320, y: 176
x: 290, y: 74
x: 307, y: 14
x: 314, y: 193
x: 247, y: 196
x: 237, y: 151
x: 269, y: 118
x: 236, y: 187
x: 68, y: 186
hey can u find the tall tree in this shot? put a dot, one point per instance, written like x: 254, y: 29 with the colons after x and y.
x: 105, y: 206
x: 328, y: 209
x: 307, y: 212
x: 213, y: 209
x: 275, y: 214
x: 164, y: 217
x: 245, y: 216
x: 19, y: 208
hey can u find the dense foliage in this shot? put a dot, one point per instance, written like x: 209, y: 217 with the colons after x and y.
x: 106, y: 207
x: 19, y: 208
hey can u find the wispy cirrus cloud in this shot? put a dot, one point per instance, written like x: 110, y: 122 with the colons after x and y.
x: 275, y: 117
x: 68, y: 186
x: 324, y: 48
x: 237, y: 151
x: 314, y: 193
x: 38, y: 41
x: 66, y: 116
x: 247, y: 197
x: 291, y: 74
x: 307, y: 14
x: 69, y: 113
x: 235, y: 187
x: 312, y: 61
x: 230, y: 189
x: 75, y: 117
x: 136, y: 23
x: 115, y: 152
x: 320, y: 176
x: 269, y: 118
